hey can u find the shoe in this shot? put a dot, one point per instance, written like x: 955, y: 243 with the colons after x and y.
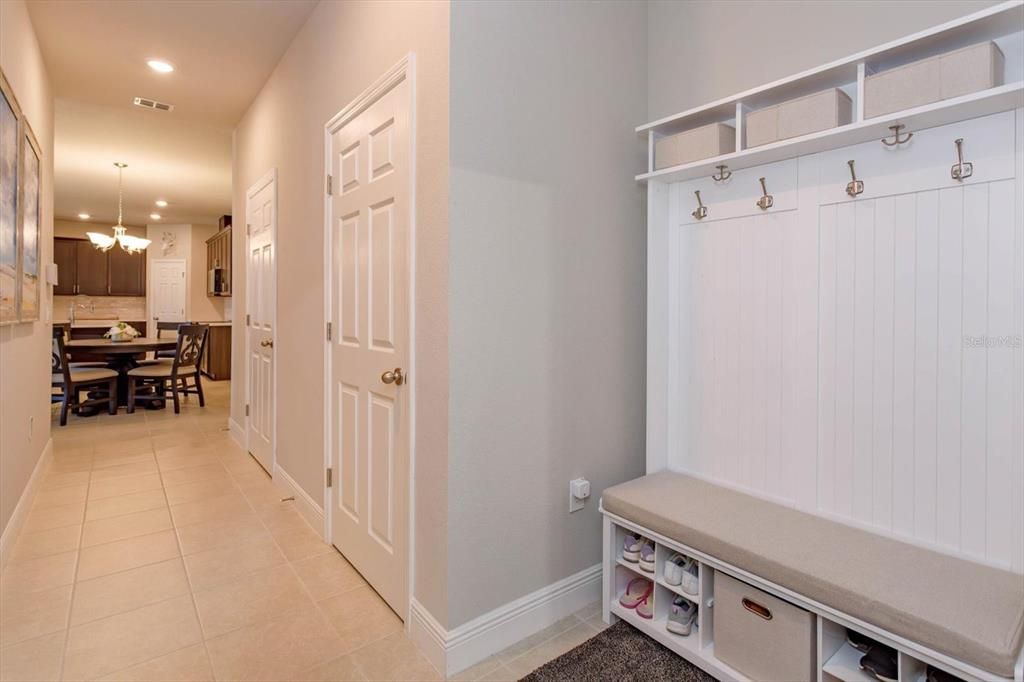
x: 681, y: 617
x: 880, y: 661
x: 631, y: 547
x: 673, y: 569
x: 647, y: 556
x: 933, y: 674
x: 860, y: 642
x: 638, y: 590
x: 645, y: 609
x: 688, y: 577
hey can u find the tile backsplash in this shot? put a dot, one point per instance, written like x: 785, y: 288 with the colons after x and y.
x: 124, y: 307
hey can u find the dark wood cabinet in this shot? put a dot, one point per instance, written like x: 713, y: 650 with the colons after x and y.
x: 65, y: 255
x: 127, y: 273
x: 93, y: 270
x: 82, y: 269
x: 218, y: 259
x: 217, y: 359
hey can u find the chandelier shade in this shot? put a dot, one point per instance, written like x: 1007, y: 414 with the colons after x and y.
x: 105, y: 242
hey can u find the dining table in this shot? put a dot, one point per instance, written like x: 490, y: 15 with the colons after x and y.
x: 121, y: 356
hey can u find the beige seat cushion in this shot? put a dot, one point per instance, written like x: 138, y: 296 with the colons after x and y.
x: 159, y: 370
x: 971, y: 612
x: 81, y: 375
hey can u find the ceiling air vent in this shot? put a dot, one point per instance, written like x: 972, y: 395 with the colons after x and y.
x: 153, y: 104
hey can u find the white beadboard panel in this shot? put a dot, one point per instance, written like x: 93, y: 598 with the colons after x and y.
x: 859, y: 359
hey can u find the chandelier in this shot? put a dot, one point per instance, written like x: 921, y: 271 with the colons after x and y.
x: 105, y: 242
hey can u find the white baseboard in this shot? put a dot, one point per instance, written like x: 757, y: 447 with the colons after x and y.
x: 17, y: 520
x: 307, y: 506
x: 453, y: 651
x: 237, y: 432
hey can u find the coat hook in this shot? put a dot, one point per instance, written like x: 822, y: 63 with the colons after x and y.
x: 961, y: 170
x: 855, y: 186
x: 702, y: 210
x: 896, y: 139
x: 766, y: 201
x: 723, y: 174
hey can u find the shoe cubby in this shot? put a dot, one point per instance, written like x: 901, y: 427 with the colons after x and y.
x: 842, y: 659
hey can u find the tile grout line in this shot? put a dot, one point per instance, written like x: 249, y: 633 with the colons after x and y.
x: 74, y: 579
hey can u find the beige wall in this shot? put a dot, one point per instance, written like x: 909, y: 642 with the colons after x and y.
x: 189, y: 243
x: 702, y: 50
x: 25, y: 348
x: 77, y: 228
x: 343, y: 48
x: 547, y: 286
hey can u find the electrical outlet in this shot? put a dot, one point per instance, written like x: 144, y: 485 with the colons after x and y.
x: 579, y: 491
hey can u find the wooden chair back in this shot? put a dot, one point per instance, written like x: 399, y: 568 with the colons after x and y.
x: 59, y: 355
x: 190, y: 348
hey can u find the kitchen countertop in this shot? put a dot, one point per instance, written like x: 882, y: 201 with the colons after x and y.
x: 82, y: 324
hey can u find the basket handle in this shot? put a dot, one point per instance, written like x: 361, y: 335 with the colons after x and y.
x: 757, y: 609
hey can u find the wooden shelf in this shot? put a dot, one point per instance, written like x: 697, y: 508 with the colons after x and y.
x: 991, y: 101
x: 988, y: 24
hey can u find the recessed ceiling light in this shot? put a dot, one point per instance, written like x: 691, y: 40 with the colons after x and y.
x: 84, y: 216
x: 160, y: 66
x: 161, y: 203
x: 154, y: 216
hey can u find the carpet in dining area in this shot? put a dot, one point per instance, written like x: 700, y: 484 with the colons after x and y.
x: 620, y: 653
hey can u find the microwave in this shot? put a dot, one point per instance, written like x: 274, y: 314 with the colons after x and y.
x: 218, y: 282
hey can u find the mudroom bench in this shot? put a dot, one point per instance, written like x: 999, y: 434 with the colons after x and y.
x: 814, y: 578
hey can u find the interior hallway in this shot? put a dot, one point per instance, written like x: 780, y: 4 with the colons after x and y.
x: 158, y: 550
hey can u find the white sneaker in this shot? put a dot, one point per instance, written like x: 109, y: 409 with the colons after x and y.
x: 673, y: 569
x: 689, y: 582
x: 681, y: 617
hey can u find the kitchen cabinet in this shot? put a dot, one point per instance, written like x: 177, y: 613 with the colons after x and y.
x: 83, y: 269
x: 218, y: 262
x: 127, y: 273
x: 216, y: 362
x: 65, y: 255
x: 92, y: 271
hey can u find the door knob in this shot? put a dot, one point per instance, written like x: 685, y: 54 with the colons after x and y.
x: 267, y: 343
x: 394, y: 376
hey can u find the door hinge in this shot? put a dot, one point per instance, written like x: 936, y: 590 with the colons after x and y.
x: 246, y: 410
x: 247, y: 317
x: 330, y: 185
x: 329, y: 329
x: 330, y: 477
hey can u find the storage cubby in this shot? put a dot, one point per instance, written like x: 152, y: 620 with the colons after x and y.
x: 912, y: 669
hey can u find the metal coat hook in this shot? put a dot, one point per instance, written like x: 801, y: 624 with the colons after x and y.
x: 766, y: 201
x: 961, y: 170
x: 896, y: 139
x: 855, y: 186
x: 723, y: 174
x: 702, y: 210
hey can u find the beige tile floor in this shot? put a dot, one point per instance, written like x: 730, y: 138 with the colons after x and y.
x: 156, y: 549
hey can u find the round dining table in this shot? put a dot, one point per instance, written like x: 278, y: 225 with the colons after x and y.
x: 121, y: 356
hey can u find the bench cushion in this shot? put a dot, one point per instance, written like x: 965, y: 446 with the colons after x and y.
x: 970, y: 612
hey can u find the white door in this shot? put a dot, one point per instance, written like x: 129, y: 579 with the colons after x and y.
x: 166, y: 291
x: 261, y: 303
x: 368, y: 231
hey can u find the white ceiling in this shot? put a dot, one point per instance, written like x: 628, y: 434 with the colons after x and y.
x: 96, y: 52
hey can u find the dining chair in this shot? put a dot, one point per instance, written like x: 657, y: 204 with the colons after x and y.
x: 71, y: 379
x: 171, y: 378
x: 166, y: 327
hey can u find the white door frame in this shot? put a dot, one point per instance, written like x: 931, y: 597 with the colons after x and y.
x: 150, y: 287
x: 268, y: 178
x: 404, y: 70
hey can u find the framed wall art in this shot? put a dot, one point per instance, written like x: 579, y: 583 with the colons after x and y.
x: 10, y: 137
x: 31, y: 218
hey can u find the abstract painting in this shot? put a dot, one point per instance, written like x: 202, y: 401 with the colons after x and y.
x: 8, y: 205
x: 30, y: 221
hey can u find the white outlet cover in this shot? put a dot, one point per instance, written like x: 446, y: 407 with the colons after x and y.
x: 577, y: 503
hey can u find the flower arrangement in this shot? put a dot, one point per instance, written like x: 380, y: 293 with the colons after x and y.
x: 122, y: 331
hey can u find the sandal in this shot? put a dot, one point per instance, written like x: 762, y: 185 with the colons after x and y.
x: 637, y: 591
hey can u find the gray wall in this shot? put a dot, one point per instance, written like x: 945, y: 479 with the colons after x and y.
x: 546, y: 286
x: 703, y: 50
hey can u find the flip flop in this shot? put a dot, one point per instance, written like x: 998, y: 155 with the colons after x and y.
x: 644, y: 609
x: 638, y: 590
